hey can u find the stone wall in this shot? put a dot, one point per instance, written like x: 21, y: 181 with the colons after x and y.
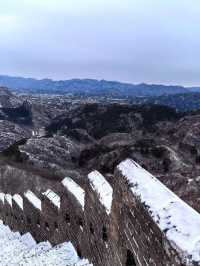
x: 127, y: 235
x: 139, y: 232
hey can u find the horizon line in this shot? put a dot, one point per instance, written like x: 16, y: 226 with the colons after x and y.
x: 102, y: 79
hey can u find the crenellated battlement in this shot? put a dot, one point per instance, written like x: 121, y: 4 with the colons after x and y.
x: 134, y: 221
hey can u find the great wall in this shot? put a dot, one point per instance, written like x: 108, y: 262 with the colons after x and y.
x: 133, y: 220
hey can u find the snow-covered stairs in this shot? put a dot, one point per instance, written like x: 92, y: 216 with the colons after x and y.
x: 17, y: 250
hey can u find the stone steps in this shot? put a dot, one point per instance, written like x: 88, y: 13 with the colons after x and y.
x: 17, y: 250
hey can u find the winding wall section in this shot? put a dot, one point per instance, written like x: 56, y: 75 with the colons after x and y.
x: 134, y: 221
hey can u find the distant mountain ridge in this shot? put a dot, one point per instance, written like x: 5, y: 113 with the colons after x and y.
x: 91, y: 87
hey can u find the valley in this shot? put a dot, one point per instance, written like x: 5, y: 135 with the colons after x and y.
x: 44, y: 138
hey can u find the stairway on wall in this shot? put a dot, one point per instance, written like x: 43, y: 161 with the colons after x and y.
x: 17, y: 250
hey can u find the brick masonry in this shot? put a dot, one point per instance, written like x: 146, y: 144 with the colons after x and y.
x: 126, y: 237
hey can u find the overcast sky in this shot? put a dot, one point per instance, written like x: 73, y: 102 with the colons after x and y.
x: 152, y: 41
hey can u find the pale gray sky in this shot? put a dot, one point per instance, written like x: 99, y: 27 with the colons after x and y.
x: 154, y: 41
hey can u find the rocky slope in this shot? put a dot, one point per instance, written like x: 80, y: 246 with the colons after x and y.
x: 21, y: 118
x: 7, y: 99
x: 184, y: 102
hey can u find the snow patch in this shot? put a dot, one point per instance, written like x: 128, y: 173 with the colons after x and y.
x: 179, y: 222
x: 8, y: 198
x: 23, y: 250
x: 103, y: 188
x: 75, y: 189
x: 18, y: 199
x: 53, y: 197
x: 2, y: 197
x: 28, y: 240
x: 33, y: 199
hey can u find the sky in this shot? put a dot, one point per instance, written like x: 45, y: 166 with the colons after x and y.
x: 153, y: 41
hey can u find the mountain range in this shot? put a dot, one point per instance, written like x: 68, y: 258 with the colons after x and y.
x: 90, y: 87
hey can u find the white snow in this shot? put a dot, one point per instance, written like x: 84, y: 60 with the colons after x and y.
x: 75, y: 189
x: 28, y: 240
x: 53, y: 197
x: 18, y: 199
x: 179, y: 221
x: 8, y: 198
x: 33, y: 199
x: 17, y: 250
x: 103, y: 188
x: 2, y: 197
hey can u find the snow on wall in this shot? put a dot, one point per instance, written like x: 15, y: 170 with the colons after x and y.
x: 178, y: 221
x: 18, y: 199
x: 8, y: 198
x: 2, y: 197
x: 103, y: 188
x: 33, y: 199
x: 53, y: 197
x: 75, y: 189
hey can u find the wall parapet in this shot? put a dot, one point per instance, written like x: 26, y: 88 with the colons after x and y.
x: 179, y: 222
x: 135, y: 221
